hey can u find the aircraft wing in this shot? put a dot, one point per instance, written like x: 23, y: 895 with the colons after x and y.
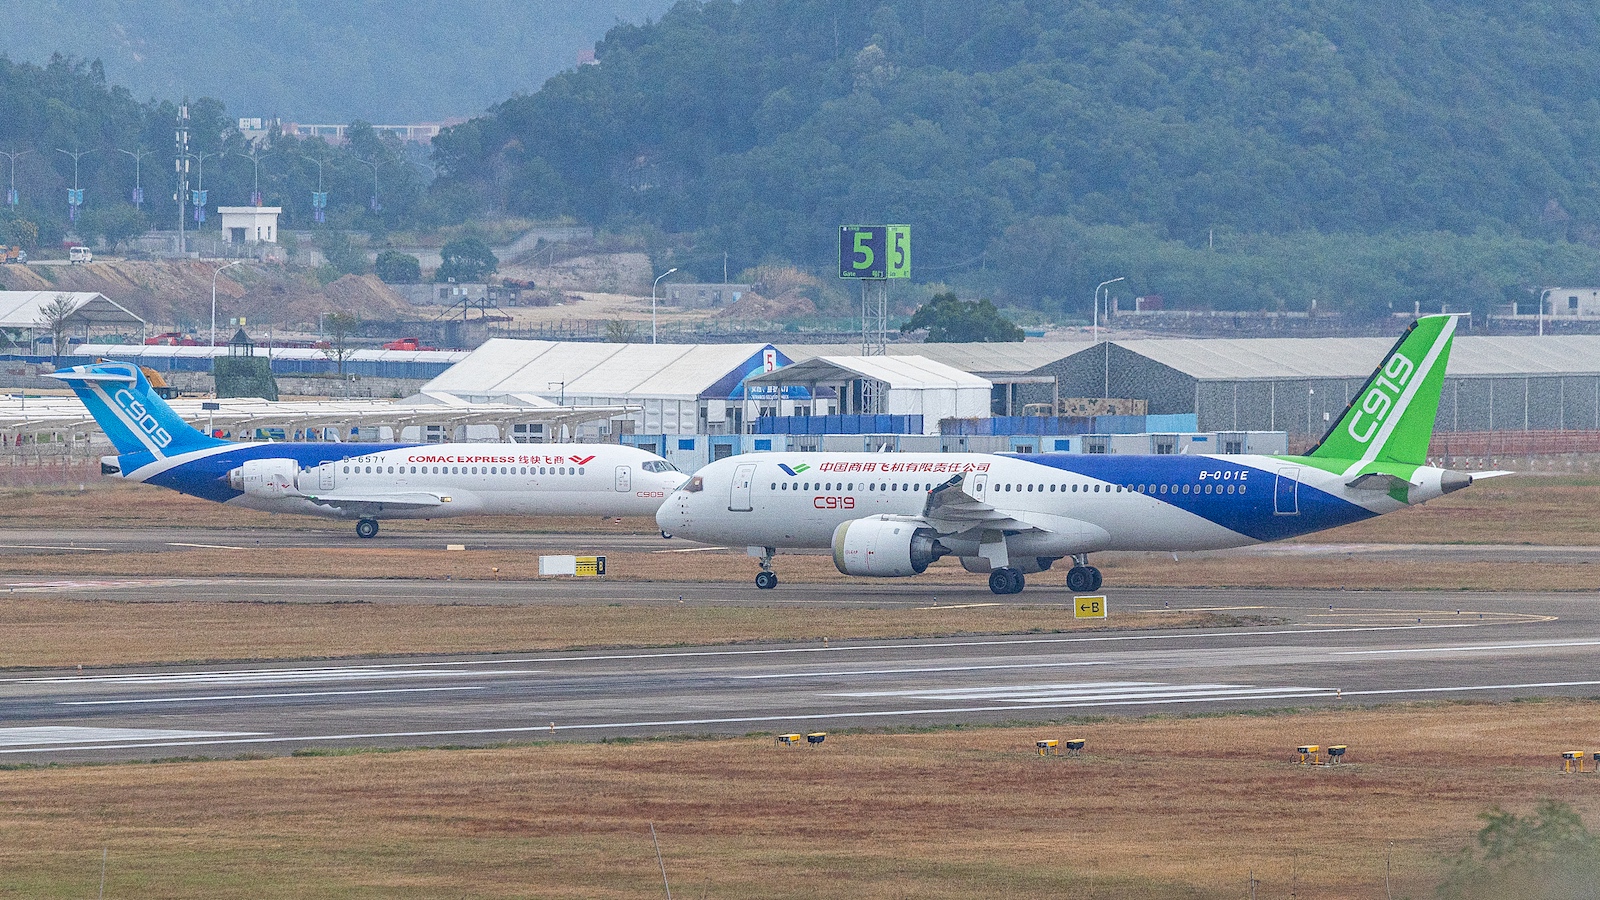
x: 357, y: 502
x: 951, y: 510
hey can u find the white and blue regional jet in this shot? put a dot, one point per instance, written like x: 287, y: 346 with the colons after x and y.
x: 365, y: 482
x: 1010, y: 515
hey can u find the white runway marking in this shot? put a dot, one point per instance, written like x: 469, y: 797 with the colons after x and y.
x: 270, y: 676
x: 44, y: 547
x: 221, y: 697
x: 205, y: 546
x: 918, y: 671
x: 690, y: 550
x: 1093, y: 692
x: 68, y: 734
x: 958, y: 606
x: 1474, y: 648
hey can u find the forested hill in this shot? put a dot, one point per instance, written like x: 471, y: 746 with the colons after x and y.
x: 1236, y: 153
x: 391, y: 61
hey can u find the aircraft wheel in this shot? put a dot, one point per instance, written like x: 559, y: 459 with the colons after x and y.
x: 1097, y: 579
x: 1006, y: 581
x: 766, y: 581
x: 1081, y: 579
x: 367, y: 528
x: 1018, y: 581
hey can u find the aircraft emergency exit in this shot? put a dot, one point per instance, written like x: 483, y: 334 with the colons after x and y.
x: 1011, y: 515
x: 365, y: 482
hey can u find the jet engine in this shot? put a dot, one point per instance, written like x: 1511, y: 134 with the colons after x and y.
x: 1028, y: 565
x: 269, y: 478
x: 882, y: 547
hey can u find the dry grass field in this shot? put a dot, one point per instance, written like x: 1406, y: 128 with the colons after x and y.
x: 1157, y: 808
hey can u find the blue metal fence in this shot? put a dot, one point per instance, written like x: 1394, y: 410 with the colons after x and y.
x: 840, y: 424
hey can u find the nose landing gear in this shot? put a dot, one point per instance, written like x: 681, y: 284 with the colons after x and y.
x: 766, y: 579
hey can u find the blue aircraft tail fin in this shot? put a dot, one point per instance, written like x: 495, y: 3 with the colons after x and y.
x: 130, y: 412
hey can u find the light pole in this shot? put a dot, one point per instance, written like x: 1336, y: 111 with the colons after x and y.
x: 138, y: 188
x: 214, y: 298
x: 256, y: 156
x: 74, y: 196
x: 1096, y: 332
x: 653, y: 301
x: 376, y: 206
x: 11, y: 194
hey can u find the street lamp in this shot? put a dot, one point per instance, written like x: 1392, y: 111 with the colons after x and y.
x: 214, y: 298
x: 653, y: 302
x: 1096, y: 333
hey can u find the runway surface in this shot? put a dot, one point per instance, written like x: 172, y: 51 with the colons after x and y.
x: 14, y: 541
x: 1308, y: 648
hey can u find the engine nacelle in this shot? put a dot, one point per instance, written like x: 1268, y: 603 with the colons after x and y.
x: 1028, y: 565
x: 880, y: 547
x: 269, y: 478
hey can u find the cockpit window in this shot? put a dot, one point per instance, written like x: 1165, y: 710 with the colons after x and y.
x: 695, y: 484
x: 658, y: 465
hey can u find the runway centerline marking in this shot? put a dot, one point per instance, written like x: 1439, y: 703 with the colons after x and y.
x: 267, y: 676
x: 1477, y: 648
x: 958, y: 606
x: 46, y: 547
x: 205, y: 546
x: 301, y: 694
x: 920, y: 671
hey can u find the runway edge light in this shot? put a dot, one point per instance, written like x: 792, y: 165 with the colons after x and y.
x: 1075, y: 746
x: 788, y: 740
x: 1048, y: 747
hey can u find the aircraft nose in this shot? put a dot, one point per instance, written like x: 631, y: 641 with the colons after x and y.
x: 664, y: 513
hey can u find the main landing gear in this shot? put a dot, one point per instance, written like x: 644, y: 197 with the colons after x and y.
x: 367, y: 528
x: 767, y: 579
x: 1007, y: 581
x: 1082, y: 577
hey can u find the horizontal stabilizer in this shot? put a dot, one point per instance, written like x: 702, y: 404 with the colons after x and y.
x: 1495, y: 474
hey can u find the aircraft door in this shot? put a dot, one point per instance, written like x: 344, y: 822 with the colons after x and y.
x: 980, y: 483
x: 743, y: 480
x: 325, y: 477
x: 624, y: 479
x: 1286, y: 495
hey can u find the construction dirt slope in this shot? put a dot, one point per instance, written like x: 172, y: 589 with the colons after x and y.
x: 175, y: 293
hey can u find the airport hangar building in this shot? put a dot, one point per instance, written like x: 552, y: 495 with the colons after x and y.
x: 1298, y: 385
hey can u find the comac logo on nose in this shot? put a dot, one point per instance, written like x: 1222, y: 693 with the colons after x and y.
x: 1381, y: 398
x: 142, y: 418
x: 794, y: 471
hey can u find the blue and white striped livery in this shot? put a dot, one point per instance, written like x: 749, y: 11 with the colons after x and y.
x: 365, y: 482
x: 1010, y: 515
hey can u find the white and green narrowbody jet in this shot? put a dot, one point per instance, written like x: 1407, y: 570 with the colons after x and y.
x: 1010, y: 515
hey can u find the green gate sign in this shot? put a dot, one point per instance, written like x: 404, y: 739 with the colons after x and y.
x: 874, y: 251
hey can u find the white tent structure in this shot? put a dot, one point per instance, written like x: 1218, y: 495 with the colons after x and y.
x: 907, y: 386
x: 25, y: 311
x: 679, y: 388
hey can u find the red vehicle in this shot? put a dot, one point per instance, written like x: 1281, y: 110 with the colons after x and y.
x: 408, y: 343
x: 171, y: 339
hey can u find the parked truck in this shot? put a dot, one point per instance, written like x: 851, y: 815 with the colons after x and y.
x: 13, y: 255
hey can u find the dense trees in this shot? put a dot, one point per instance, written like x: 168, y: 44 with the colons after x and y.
x: 1399, y: 142
x: 951, y: 320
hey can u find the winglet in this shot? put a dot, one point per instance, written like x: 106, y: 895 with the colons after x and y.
x: 130, y: 412
x: 1391, y: 418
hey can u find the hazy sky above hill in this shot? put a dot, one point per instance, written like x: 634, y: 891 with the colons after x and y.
x: 385, y: 61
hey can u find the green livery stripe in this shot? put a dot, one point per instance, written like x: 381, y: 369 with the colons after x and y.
x: 1391, y: 418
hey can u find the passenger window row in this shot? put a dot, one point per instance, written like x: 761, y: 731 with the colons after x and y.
x: 468, y: 470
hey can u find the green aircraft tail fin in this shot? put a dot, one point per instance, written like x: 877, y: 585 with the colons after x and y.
x: 1391, y: 417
